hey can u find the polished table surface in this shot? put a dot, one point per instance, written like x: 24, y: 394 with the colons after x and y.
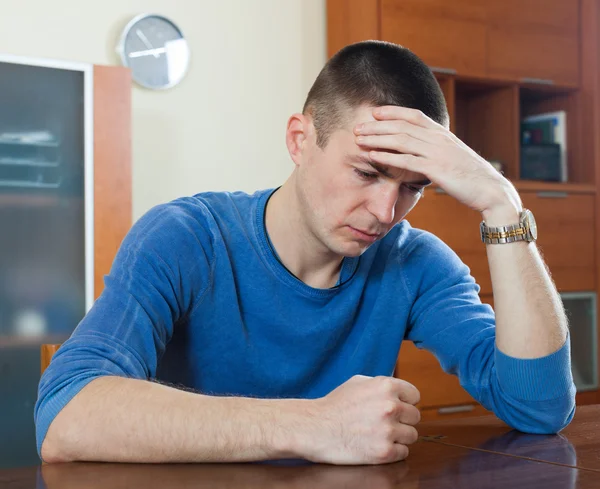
x: 462, y: 453
x: 578, y: 445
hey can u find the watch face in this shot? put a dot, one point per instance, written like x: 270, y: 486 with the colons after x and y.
x: 531, y: 224
x: 155, y: 50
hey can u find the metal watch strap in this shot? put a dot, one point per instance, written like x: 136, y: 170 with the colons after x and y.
x: 503, y: 234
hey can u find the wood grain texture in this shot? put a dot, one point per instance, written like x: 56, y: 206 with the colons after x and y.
x: 577, y: 446
x: 566, y: 238
x: 557, y: 16
x: 523, y: 53
x: 435, y: 414
x: 430, y: 464
x: 350, y: 21
x: 450, y: 42
x: 437, y: 388
x: 46, y: 353
x: 467, y: 10
x: 590, y: 122
x: 112, y: 166
x: 458, y: 227
x: 487, y: 121
x: 422, y: 369
x: 448, y: 89
x: 534, y: 38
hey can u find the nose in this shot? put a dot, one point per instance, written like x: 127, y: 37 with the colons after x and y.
x: 383, y: 203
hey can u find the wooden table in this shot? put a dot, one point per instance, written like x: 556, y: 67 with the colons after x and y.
x: 478, y: 453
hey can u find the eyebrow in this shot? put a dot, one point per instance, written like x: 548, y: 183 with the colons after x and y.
x: 385, y: 172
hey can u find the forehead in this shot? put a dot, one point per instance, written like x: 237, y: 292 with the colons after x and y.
x: 360, y: 114
x: 343, y: 143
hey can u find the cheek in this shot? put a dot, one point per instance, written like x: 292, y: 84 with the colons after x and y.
x: 404, y: 206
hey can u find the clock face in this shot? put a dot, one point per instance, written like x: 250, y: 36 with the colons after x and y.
x: 155, y: 50
x: 532, y: 224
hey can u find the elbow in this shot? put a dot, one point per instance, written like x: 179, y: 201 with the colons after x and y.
x: 51, y: 453
x: 544, y: 422
x: 54, y: 449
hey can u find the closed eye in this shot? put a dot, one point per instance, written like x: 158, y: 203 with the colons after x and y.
x: 365, y: 175
x: 371, y: 176
x: 413, y: 188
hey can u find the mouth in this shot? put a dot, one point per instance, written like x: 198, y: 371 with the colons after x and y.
x: 364, y: 235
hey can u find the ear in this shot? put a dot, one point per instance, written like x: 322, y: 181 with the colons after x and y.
x: 297, y: 136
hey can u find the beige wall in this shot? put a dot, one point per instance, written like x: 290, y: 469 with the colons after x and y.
x: 223, y: 127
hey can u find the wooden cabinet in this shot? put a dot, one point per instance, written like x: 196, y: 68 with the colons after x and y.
x: 536, y: 39
x: 523, y: 54
x: 451, y: 412
x: 501, y: 61
x: 451, y: 38
x: 512, y: 40
x: 566, y: 236
x: 438, y: 389
x: 458, y: 227
x: 349, y: 21
x: 421, y: 368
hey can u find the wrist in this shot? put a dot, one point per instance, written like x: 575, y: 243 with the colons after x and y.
x: 505, y: 209
x: 502, y: 216
x: 297, y: 419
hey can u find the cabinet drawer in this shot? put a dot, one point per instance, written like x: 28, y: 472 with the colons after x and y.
x: 458, y: 226
x: 566, y: 237
x: 473, y: 10
x: 453, y: 412
x: 534, y: 39
x: 444, y: 35
x: 421, y: 368
x: 523, y: 53
x: 557, y: 16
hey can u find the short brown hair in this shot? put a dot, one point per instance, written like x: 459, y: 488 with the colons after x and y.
x: 372, y: 73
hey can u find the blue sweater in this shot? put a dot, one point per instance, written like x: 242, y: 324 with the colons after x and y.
x: 196, y: 297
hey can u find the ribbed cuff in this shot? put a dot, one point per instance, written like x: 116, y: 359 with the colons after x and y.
x: 538, y: 379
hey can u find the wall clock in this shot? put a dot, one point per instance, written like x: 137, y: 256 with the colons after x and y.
x: 155, y: 50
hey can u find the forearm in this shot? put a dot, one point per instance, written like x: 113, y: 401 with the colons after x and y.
x: 127, y: 420
x: 530, y: 319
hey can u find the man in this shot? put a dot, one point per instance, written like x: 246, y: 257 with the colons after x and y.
x: 284, y: 311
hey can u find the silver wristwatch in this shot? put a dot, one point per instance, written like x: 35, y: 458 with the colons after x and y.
x: 524, y: 230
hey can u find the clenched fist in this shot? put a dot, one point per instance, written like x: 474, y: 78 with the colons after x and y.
x: 366, y: 420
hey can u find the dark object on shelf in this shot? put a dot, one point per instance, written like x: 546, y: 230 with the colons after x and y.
x: 541, y: 162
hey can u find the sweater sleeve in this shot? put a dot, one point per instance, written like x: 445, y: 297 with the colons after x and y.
x: 448, y: 319
x: 162, y: 269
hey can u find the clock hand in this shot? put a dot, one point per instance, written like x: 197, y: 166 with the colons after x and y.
x: 144, y: 39
x: 155, y: 52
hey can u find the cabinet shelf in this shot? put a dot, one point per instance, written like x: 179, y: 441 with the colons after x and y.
x: 25, y: 201
x: 34, y: 341
x: 534, y: 185
x: 41, y: 144
x: 539, y: 186
x: 28, y: 163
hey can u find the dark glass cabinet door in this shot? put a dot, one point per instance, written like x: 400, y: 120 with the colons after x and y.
x: 45, y: 211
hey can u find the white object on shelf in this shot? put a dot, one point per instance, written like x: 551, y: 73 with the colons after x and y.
x: 29, y: 323
x: 28, y: 137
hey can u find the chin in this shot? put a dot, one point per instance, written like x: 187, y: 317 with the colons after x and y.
x: 351, y: 249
